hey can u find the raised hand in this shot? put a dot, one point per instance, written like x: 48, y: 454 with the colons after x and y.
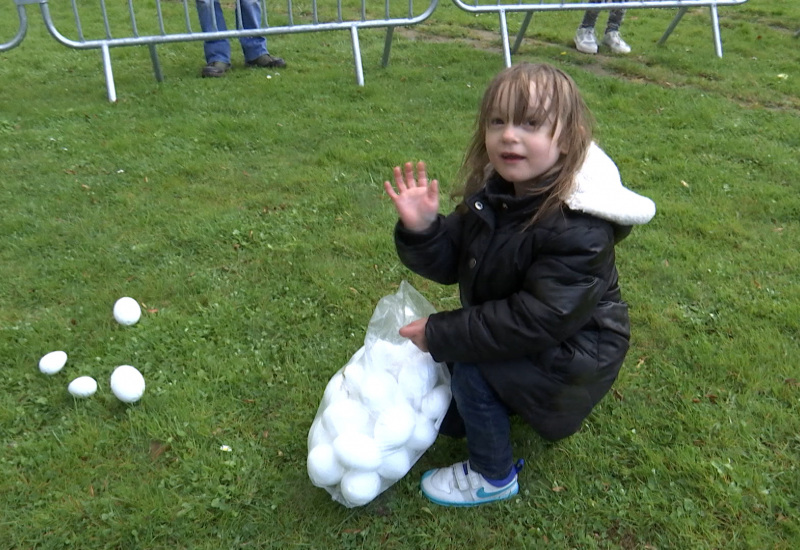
x: 416, y: 201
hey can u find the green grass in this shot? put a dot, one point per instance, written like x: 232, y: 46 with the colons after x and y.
x: 247, y: 214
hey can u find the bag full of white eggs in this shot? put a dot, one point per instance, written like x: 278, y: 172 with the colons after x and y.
x: 382, y: 410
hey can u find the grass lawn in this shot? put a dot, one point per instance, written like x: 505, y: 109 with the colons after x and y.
x: 247, y: 215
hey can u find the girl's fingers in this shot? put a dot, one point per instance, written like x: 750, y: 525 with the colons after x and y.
x: 389, y: 190
x: 409, y: 174
x: 398, y: 179
x: 422, y: 174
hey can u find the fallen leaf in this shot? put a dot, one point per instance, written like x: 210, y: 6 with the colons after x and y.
x: 684, y: 183
x: 666, y: 263
x: 558, y: 489
x: 617, y: 395
x: 157, y: 448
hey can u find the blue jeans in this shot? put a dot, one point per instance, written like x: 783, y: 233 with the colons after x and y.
x: 220, y: 50
x: 486, y: 421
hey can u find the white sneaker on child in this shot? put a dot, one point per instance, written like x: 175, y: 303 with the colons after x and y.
x: 613, y: 40
x: 585, y: 40
x: 459, y: 485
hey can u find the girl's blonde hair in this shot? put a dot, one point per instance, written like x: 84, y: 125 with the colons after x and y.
x: 559, y: 101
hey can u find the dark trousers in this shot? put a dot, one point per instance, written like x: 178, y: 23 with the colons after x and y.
x: 614, y: 18
x: 484, y: 419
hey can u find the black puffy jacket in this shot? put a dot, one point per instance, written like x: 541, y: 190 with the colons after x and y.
x: 541, y: 309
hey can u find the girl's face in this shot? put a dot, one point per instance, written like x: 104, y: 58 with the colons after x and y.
x: 521, y: 151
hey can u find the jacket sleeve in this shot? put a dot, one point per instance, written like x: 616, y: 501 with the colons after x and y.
x: 434, y: 253
x: 561, y: 290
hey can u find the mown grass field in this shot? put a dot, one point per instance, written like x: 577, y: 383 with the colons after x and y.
x: 247, y: 215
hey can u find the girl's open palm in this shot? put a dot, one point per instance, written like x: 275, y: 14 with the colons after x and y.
x: 416, y: 201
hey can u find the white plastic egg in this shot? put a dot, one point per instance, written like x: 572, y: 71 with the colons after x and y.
x: 417, y: 379
x: 359, y: 488
x: 83, y: 386
x: 394, y: 426
x: 357, y: 451
x: 334, y: 391
x: 127, y: 311
x: 378, y: 390
x: 317, y: 434
x: 424, y: 434
x: 127, y: 383
x: 345, y: 416
x: 323, y: 467
x: 52, y: 362
x: 435, y: 403
x: 395, y: 465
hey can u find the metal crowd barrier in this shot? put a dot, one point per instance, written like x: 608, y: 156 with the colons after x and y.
x: 153, y: 22
x: 529, y: 8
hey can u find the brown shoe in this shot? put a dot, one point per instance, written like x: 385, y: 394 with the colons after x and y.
x: 267, y: 61
x: 215, y: 69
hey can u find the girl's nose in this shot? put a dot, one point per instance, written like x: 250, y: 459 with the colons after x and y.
x: 509, y: 133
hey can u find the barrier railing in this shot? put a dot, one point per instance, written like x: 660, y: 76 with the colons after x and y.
x: 154, y: 22
x: 529, y: 8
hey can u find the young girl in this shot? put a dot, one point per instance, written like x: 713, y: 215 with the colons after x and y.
x: 543, y: 330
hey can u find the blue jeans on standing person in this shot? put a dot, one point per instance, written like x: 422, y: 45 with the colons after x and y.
x: 486, y: 420
x: 220, y: 49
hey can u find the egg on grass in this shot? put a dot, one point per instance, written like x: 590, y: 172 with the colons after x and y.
x: 52, y: 362
x: 83, y: 386
x: 324, y: 468
x: 127, y: 383
x: 127, y: 311
x: 359, y: 488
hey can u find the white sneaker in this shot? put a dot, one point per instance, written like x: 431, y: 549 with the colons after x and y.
x: 459, y: 485
x: 585, y: 40
x: 614, y: 41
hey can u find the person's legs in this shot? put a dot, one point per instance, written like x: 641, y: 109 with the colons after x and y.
x: 211, y: 20
x: 615, y: 18
x: 249, y: 13
x: 612, y: 37
x: 490, y: 474
x: 486, y: 421
x: 585, y: 40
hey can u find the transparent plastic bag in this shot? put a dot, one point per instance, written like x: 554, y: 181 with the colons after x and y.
x: 382, y: 410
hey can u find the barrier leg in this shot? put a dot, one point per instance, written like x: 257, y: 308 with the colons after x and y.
x: 715, y: 29
x: 156, y: 64
x: 504, y: 34
x: 357, y: 55
x: 387, y: 46
x: 522, y: 30
x: 112, y: 92
x: 675, y: 21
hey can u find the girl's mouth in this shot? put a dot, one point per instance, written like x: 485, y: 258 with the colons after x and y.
x: 511, y: 156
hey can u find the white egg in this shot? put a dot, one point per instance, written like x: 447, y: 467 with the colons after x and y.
x: 395, y: 465
x: 83, y: 386
x: 52, y: 362
x: 378, y: 390
x: 386, y: 356
x: 353, y: 373
x: 127, y: 383
x: 394, y: 426
x: 317, y: 434
x: 323, y: 467
x: 417, y: 379
x: 357, y: 451
x: 359, y: 488
x: 435, y: 403
x: 345, y: 416
x: 127, y: 311
x: 424, y: 434
x: 334, y: 391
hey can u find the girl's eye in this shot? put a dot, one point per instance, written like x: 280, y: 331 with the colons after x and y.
x: 533, y: 123
x: 496, y: 121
